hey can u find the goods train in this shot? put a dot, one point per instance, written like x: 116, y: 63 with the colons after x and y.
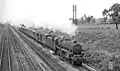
x: 67, y: 49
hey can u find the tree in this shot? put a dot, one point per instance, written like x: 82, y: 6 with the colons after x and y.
x: 105, y: 15
x: 114, y: 13
x: 86, y: 19
x: 89, y: 19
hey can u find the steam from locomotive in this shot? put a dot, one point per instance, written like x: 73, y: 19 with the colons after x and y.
x: 48, y: 14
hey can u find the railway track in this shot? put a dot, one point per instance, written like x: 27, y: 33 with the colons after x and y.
x: 5, y: 56
x: 37, y: 50
x: 10, y: 56
x: 25, y: 63
x: 83, y: 68
x: 54, y: 66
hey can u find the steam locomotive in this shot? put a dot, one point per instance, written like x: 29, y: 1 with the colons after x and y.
x: 67, y: 49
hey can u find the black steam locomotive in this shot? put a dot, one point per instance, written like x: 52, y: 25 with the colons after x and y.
x: 67, y: 49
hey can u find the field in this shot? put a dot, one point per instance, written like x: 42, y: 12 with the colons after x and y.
x: 103, y: 45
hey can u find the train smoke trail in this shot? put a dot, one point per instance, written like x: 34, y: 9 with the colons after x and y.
x: 40, y: 13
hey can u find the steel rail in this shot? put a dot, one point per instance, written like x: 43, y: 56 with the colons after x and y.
x: 85, y: 67
x: 17, y: 53
x: 9, y: 59
x: 26, y: 56
x: 40, y: 54
x: 2, y: 42
x: 22, y: 50
x: 42, y: 57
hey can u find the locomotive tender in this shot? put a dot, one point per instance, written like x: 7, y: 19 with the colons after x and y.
x: 67, y: 49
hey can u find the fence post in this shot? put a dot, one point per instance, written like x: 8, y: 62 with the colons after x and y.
x: 110, y: 65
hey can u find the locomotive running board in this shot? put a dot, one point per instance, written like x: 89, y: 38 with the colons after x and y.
x: 64, y: 50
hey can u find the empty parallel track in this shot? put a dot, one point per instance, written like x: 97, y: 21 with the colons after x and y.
x: 25, y: 63
x: 4, y: 53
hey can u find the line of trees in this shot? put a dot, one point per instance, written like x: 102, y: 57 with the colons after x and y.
x: 86, y: 19
x: 111, y: 15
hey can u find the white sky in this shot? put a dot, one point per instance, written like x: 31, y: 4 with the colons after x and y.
x: 51, y: 13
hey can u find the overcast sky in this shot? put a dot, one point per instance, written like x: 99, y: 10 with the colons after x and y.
x: 50, y: 13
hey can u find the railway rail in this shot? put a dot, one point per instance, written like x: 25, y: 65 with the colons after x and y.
x: 25, y: 63
x: 85, y: 67
x: 4, y: 53
x: 54, y: 66
x: 10, y: 56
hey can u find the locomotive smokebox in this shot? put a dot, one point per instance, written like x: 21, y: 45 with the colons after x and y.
x: 77, y: 48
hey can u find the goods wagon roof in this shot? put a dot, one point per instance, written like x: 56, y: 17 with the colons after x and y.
x: 43, y: 31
